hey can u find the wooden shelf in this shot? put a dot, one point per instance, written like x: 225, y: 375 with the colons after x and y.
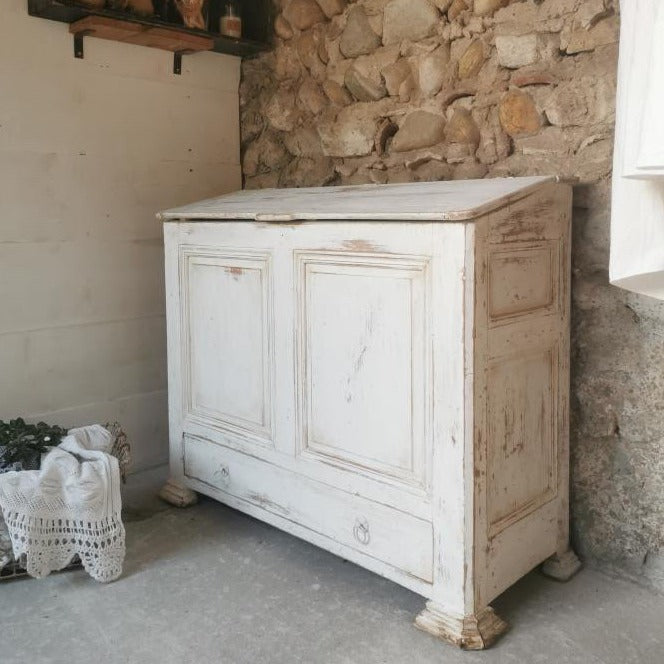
x: 157, y: 33
x: 130, y: 32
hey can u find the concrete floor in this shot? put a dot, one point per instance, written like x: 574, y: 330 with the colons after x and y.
x: 208, y: 584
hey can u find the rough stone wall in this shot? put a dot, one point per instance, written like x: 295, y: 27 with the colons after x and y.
x: 413, y: 90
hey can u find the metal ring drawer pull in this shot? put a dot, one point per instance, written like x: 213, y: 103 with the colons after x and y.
x: 361, y: 531
x: 222, y: 473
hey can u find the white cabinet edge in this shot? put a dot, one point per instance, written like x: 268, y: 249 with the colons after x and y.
x: 458, y: 200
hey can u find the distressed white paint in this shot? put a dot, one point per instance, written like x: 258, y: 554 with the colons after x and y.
x: 637, y: 209
x: 460, y: 200
x: 395, y: 392
x: 89, y: 150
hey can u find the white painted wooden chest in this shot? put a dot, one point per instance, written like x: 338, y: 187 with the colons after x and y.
x: 382, y: 371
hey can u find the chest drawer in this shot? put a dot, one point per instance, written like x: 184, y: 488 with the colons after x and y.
x: 388, y: 535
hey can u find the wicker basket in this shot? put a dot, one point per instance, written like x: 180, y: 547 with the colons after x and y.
x: 10, y: 568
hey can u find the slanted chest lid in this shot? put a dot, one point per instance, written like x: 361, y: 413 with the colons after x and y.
x: 457, y: 200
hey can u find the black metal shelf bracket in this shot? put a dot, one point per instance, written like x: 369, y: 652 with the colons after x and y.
x: 78, y: 43
x: 177, y: 60
x: 79, y: 53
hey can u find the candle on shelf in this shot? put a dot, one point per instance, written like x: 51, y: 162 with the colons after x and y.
x: 230, y: 22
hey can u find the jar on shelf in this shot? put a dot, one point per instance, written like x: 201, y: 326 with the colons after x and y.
x: 230, y: 21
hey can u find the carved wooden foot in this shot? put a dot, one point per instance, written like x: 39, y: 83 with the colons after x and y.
x: 177, y: 494
x: 473, y: 632
x: 562, y: 567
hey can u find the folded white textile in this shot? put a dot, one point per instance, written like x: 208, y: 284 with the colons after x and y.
x: 71, y: 506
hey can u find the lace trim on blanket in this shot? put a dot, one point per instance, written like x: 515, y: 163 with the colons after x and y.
x: 48, y: 545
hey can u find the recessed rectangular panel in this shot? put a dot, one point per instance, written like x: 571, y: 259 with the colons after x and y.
x: 363, y: 351
x: 227, y: 327
x: 521, y: 281
x: 521, y: 472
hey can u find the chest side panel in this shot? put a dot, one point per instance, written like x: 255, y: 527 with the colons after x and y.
x: 521, y: 391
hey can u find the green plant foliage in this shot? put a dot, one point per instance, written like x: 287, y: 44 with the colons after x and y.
x: 21, y: 444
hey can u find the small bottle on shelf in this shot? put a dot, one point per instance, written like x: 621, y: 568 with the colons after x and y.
x: 230, y: 21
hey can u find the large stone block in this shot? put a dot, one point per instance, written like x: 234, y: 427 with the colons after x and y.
x: 495, y: 144
x: 287, y: 63
x: 263, y: 181
x: 336, y: 71
x: 420, y: 129
x: 282, y: 27
x: 590, y: 12
x: 461, y: 128
x: 251, y: 159
x: 307, y: 172
x: 433, y: 69
x: 332, y: 7
x: 519, y: 114
x: 307, y: 49
x: 472, y: 59
x: 432, y: 170
x: 409, y: 19
x: 573, y: 103
x: 351, y: 133
x: 550, y: 140
x: 395, y: 74
x: 362, y: 87
x: 266, y: 154
x: 364, y: 77
x: 457, y: 8
x: 581, y: 39
x: 486, y: 7
x: 336, y: 93
x: 303, y: 142
x: 517, y: 51
x: 358, y: 38
x: 303, y: 14
x: 280, y: 110
x: 442, y: 5
x: 311, y: 96
x: 469, y: 169
x: 593, y: 161
x: 273, y: 153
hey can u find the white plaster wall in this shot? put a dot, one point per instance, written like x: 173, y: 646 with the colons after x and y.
x: 90, y: 150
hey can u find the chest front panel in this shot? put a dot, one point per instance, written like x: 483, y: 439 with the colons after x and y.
x: 314, y: 343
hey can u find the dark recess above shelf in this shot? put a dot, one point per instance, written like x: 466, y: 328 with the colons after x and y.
x: 256, y: 23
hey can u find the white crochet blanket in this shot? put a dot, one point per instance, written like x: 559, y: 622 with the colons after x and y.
x: 71, y: 506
